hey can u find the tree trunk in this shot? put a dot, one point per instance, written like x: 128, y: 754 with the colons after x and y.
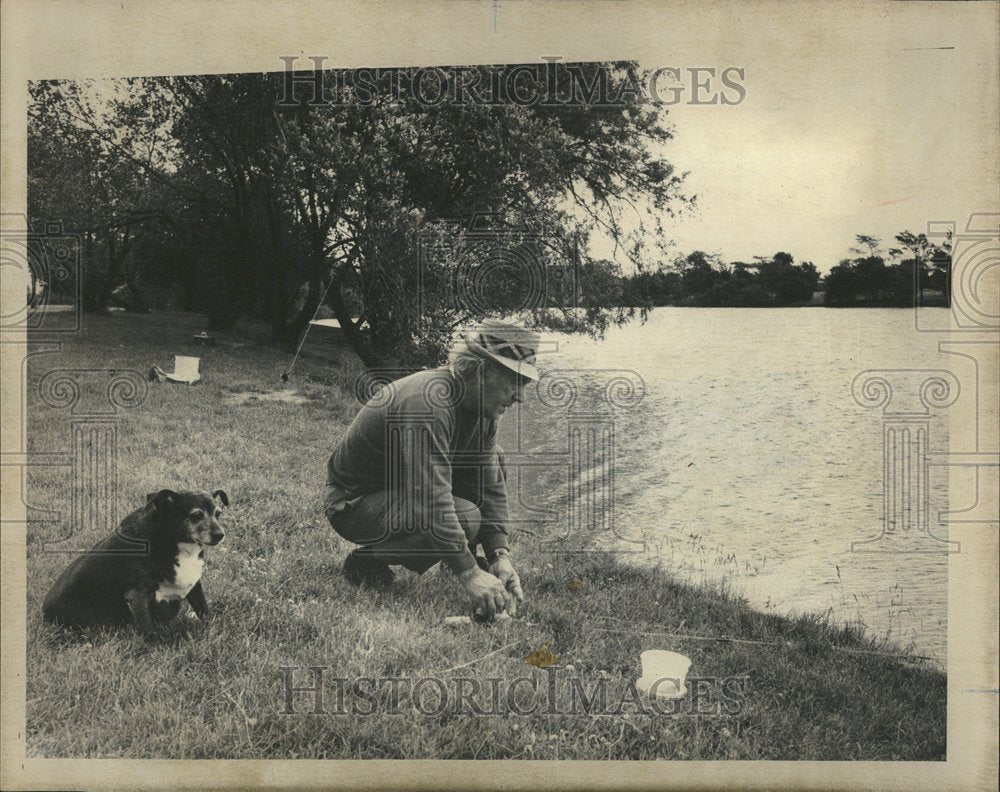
x: 224, y: 314
x: 90, y: 286
x: 277, y: 268
x: 300, y: 322
x: 138, y: 304
x: 352, y: 334
x: 225, y: 300
x: 97, y: 295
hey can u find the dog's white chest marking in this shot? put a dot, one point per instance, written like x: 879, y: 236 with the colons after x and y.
x: 187, y: 572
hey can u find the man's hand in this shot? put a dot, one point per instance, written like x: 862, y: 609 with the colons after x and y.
x: 503, y: 570
x: 486, y: 591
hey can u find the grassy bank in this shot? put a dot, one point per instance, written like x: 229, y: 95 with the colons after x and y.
x: 786, y: 689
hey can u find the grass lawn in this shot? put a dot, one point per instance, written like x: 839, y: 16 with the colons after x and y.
x: 415, y: 688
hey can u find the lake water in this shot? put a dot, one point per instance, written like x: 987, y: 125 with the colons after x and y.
x: 731, y: 448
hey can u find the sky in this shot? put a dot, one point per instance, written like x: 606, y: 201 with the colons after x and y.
x: 847, y: 127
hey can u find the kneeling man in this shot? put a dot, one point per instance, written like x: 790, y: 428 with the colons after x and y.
x: 418, y: 477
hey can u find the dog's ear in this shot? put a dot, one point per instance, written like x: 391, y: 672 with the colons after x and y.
x: 161, y: 499
x: 221, y: 496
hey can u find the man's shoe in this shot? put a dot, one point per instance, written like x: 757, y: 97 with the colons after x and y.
x: 362, y: 568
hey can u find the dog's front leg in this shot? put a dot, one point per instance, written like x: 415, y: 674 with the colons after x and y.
x: 197, y: 599
x: 138, y: 605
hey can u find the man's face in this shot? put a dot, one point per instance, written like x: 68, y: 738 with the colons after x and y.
x: 502, y: 387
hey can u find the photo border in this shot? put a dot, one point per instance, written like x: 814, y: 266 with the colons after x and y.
x: 60, y: 39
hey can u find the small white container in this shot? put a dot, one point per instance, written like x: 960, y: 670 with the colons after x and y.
x: 663, y: 674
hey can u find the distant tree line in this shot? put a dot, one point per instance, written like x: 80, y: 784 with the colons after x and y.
x: 703, y: 279
x: 873, y: 278
x: 891, y: 278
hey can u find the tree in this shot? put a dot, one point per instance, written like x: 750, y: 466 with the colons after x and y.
x: 281, y: 206
x: 841, y: 285
x: 869, y: 279
x: 940, y: 272
x: 872, y: 277
x: 921, y: 251
x: 699, y: 271
x: 650, y: 288
x: 77, y: 177
x: 227, y: 130
x: 785, y: 282
x: 381, y: 183
x: 866, y: 244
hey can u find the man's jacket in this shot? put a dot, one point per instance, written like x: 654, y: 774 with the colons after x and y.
x: 422, y: 439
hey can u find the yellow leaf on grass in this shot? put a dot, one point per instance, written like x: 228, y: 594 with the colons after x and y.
x: 542, y: 657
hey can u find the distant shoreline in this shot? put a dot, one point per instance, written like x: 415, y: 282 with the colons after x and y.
x: 796, y: 305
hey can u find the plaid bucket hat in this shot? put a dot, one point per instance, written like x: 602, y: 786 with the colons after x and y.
x: 508, y: 344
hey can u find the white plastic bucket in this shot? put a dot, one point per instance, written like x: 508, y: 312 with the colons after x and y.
x: 663, y: 674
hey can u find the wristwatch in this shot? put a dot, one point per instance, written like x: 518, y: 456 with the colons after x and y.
x: 497, y: 554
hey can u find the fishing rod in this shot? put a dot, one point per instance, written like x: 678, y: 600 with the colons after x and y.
x: 302, y: 339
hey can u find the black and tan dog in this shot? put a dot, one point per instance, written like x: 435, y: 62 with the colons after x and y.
x: 141, y: 573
